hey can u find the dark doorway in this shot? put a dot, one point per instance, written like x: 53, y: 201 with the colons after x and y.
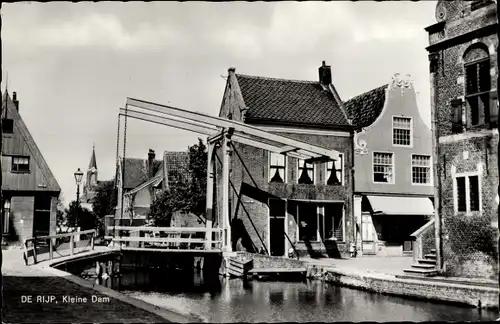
x: 41, y: 222
x: 277, y: 237
x: 277, y: 214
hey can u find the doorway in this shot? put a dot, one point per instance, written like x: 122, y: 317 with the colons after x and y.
x: 368, y: 234
x: 277, y: 238
x: 277, y: 223
x: 41, y: 221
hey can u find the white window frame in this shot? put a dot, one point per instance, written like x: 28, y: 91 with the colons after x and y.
x: 456, y: 175
x: 431, y: 182
x: 411, y: 131
x: 269, y: 174
x: 6, y: 216
x: 342, y: 173
x: 20, y: 158
x: 298, y: 172
x: 320, y: 209
x: 393, y: 168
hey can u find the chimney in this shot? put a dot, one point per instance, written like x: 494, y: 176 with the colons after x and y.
x: 325, y: 74
x: 151, y: 158
x: 14, y: 100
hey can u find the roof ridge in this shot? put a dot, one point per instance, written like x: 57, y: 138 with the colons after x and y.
x: 277, y: 79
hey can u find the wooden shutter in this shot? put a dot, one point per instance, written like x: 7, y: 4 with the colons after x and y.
x: 493, y: 109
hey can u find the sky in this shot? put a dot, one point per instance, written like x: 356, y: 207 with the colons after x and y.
x: 74, y: 64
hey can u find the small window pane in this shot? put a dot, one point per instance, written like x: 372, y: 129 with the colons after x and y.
x: 306, y: 173
x: 7, y: 126
x: 401, y: 131
x: 382, y: 167
x: 334, y: 171
x: 277, y: 168
x: 421, y: 169
x: 461, y: 201
x: 474, y: 193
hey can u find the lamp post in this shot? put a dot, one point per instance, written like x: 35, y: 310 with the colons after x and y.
x: 78, y: 179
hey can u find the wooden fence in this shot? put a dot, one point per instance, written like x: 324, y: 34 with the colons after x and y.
x: 166, y: 238
x: 35, y: 246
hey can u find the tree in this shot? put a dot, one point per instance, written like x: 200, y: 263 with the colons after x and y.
x: 60, y: 215
x: 184, y: 195
x: 104, y: 202
x: 76, y: 216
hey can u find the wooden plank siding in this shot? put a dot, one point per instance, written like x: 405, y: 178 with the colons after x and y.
x: 21, y: 143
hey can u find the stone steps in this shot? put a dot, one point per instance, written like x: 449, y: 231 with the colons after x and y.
x: 422, y: 272
x: 425, y: 267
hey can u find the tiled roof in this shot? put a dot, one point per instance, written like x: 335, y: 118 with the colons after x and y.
x: 136, y: 171
x: 365, y: 108
x: 177, y: 165
x: 289, y: 102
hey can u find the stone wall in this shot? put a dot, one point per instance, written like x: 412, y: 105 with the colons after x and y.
x: 470, y: 248
x: 478, y: 296
x: 264, y: 261
x: 469, y: 241
x: 21, y: 214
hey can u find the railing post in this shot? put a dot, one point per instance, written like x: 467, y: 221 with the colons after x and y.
x: 51, y: 249
x: 209, y: 196
x: 34, y: 251
x: 72, y: 243
x: 92, y: 237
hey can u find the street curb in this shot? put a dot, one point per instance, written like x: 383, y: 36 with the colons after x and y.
x: 470, y: 295
x: 169, y: 315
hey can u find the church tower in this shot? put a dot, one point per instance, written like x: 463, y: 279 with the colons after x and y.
x: 91, y: 182
x: 92, y: 171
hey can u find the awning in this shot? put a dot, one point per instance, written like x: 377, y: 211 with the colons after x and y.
x: 391, y: 205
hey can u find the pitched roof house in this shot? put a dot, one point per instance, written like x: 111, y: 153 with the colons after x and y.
x: 393, y: 173
x: 144, y: 179
x: 273, y: 192
x: 30, y: 190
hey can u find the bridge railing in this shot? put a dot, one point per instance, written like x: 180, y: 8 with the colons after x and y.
x: 180, y: 238
x: 38, y: 245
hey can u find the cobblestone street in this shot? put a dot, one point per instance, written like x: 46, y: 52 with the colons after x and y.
x: 51, y: 298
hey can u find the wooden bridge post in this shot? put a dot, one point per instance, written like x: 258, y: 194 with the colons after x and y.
x: 51, y: 249
x: 226, y: 151
x: 210, y: 196
x: 92, y: 237
x: 34, y: 251
x: 72, y: 244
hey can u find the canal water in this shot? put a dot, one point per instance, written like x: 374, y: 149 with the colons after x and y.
x: 235, y: 300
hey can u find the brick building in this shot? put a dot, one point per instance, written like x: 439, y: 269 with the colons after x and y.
x: 144, y: 180
x: 277, y: 202
x: 29, y: 189
x: 463, y: 57
x: 393, y: 169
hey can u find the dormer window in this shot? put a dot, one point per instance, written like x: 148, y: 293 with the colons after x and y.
x: 7, y: 126
x: 20, y: 164
x: 276, y: 167
x: 306, y: 173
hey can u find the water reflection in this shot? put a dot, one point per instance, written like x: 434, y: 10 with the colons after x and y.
x: 224, y: 300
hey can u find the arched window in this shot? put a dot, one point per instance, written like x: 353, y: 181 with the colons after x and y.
x: 477, y: 85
